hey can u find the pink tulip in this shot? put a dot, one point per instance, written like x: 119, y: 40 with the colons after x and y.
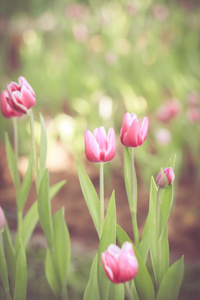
x: 6, y: 110
x: 21, y: 96
x: 165, y: 177
x: 2, y: 220
x: 120, y: 265
x: 132, y: 134
x: 98, y: 146
x: 169, y: 110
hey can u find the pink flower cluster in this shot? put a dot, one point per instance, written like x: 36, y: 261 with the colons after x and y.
x: 17, y: 99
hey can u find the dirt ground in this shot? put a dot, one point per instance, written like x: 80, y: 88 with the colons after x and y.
x: 183, y: 225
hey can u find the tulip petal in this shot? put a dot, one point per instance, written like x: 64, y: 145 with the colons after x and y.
x: 6, y: 109
x: 132, y: 138
x: 111, y: 146
x: 144, y: 128
x: 91, y: 147
x: 27, y: 97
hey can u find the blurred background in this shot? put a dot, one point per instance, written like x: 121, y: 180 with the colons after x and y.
x: 89, y: 62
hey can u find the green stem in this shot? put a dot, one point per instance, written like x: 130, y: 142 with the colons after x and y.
x: 30, y: 113
x: 159, y: 251
x: 128, y: 289
x: 133, y: 189
x: 16, y: 150
x: 101, y: 187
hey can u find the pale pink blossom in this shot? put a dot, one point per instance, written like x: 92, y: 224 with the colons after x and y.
x: 120, y: 265
x: 193, y: 114
x: 132, y: 134
x: 165, y: 177
x: 169, y: 110
x: 6, y: 109
x: 100, y: 147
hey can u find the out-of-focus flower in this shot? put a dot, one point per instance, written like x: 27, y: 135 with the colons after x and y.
x: 6, y: 110
x: 193, y: 114
x: 2, y: 220
x: 165, y: 178
x: 132, y: 134
x: 120, y: 265
x: 76, y: 11
x: 163, y: 136
x: 160, y: 12
x: 21, y: 96
x: 80, y: 32
x: 131, y: 8
x: 111, y: 58
x: 100, y: 147
x: 169, y: 110
x: 193, y: 99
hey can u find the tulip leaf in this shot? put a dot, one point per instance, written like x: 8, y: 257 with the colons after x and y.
x: 10, y: 256
x: 26, y: 184
x: 152, y: 232
x: 92, y: 291
x: 165, y: 252
x: 144, y: 244
x: 108, y: 237
x: 31, y: 218
x: 3, y: 269
x: 62, y: 250
x: 51, y: 275
x: 134, y: 291
x: 117, y: 291
x: 143, y: 282
x: 21, y: 275
x: 44, y: 209
x: 12, y: 163
x: 166, y: 200
x: 90, y: 196
x: 43, y: 148
x: 171, y: 283
x: 127, y: 179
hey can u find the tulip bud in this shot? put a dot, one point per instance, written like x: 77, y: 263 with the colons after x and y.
x: 6, y: 110
x: 98, y: 146
x: 120, y: 265
x: 132, y: 134
x: 165, y: 178
x: 21, y: 97
x: 2, y: 220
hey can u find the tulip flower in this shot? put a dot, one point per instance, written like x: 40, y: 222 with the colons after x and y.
x: 132, y: 134
x: 100, y: 147
x: 2, y: 220
x: 120, y: 265
x: 168, y: 110
x: 6, y: 109
x: 165, y: 178
x: 21, y: 97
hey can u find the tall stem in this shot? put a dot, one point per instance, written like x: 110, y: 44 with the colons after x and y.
x: 101, y: 192
x: 16, y: 150
x: 159, y: 252
x: 33, y: 144
x: 133, y: 189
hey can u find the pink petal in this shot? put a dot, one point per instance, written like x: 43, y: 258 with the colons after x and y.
x: 125, y: 125
x: 101, y: 138
x: 27, y: 97
x: 132, y: 137
x: 128, y: 267
x: 144, y: 128
x: 91, y: 147
x: 23, y: 81
x: 111, y: 146
x: 6, y: 109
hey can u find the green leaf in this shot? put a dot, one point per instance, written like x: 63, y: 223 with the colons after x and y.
x: 144, y: 244
x: 10, y: 255
x: 3, y: 269
x: 43, y: 148
x: 62, y: 250
x: 134, y: 291
x: 44, y: 209
x: 171, y: 283
x: 143, y: 281
x: 127, y: 179
x: 90, y: 196
x: 11, y: 161
x: 31, y: 218
x: 166, y: 199
x: 26, y: 184
x: 165, y: 252
x: 51, y: 275
x: 92, y: 291
x: 108, y: 237
x: 117, y: 292
x: 152, y: 226
x: 21, y: 275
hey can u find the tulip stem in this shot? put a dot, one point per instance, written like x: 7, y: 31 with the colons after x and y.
x: 134, y: 195
x: 101, y: 194
x: 30, y: 112
x: 159, y: 252
x: 16, y: 150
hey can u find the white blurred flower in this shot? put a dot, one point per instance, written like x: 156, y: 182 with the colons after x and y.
x: 105, y: 107
x: 163, y: 136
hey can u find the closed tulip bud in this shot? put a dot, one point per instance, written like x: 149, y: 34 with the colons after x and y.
x: 2, y: 220
x: 132, y: 134
x: 21, y: 97
x: 120, y: 265
x: 100, y: 147
x: 6, y: 110
x: 165, y: 178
